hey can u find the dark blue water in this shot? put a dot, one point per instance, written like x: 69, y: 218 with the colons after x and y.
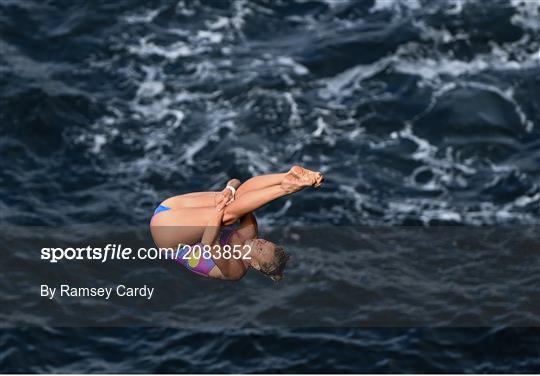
x: 418, y: 112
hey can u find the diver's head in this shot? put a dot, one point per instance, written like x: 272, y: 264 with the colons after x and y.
x: 267, y: 258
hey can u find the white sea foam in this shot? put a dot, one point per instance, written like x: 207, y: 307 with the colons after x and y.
x: 298, y: 69
x: 346, y: 82
x: 209, y: 36
x: 171, y: 52
x: 294, y: 117
x: 394, y: 5
x: 218, y: 23
x: 168, y: 95
x: 145, y: 17
x: 527, y: 14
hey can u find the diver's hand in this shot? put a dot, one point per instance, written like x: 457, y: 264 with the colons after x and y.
x: 224, y: 198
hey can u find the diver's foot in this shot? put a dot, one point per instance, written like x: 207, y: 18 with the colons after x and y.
x: 308, y: 177
x: 299, y: 178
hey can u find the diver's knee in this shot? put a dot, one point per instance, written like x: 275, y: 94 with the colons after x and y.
x: 229, y: 217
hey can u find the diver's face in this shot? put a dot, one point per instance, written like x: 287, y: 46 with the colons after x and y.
x: 262, y: 250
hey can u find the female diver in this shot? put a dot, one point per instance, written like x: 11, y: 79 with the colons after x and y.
x: 194, y: 222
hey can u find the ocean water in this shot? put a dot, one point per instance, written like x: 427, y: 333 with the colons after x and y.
x: 420, y: 113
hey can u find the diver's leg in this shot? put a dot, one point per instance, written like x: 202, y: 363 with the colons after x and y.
x: 296, y: 175
x: 251, y: 201
x: 186, y: 225
x: 191, y: 200
x: 259, y: 182
x: 180, y: 226
x: 206, y: 199
x: 293, y: 181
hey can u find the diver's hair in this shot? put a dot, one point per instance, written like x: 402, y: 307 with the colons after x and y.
x: 275, y: 269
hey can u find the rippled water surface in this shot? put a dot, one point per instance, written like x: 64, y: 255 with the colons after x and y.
x: 418, y: 112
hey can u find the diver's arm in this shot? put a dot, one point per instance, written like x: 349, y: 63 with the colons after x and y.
x: 235, y: 183
x: 211, y: 232
x: 226, y: 196
x: 210, y: 237
x: 213, y: 227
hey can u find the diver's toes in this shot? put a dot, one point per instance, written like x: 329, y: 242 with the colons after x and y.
x: 306, y: 177
x: 319, y: 179
x: 297, y: 171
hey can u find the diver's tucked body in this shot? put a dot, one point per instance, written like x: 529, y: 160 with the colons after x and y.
x: 218, y: 230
